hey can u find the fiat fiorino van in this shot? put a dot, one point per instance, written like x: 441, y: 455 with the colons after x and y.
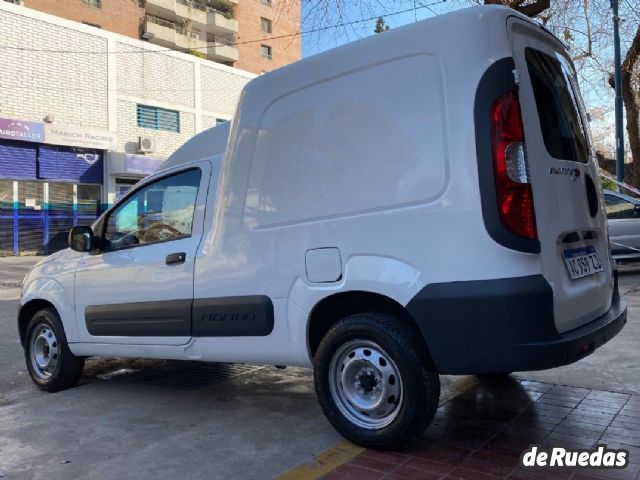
x: 420, y: 202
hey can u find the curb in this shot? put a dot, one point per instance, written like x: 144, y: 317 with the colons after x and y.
x: 331, y: 458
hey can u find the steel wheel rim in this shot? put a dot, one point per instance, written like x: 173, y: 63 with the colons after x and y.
x: 43, y: 351
x: 365, y: 384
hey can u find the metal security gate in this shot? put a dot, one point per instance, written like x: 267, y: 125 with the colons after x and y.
x: 39, y: 220
x: 31, y: 217
x: 6, y: 217
x: 44, y: 191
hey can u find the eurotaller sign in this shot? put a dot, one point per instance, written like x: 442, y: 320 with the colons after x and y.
x: 67, y: 135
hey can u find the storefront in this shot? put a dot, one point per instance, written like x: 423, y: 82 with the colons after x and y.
x: 124, y: 170
x: 51, y: 178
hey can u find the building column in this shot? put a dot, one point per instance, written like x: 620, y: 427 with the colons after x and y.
x: 45, y: 207
x: 197, y: 93
x: 16, y: 209
x: 112, y: 111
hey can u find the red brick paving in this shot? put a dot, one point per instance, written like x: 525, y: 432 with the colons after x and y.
x: 481, y: 434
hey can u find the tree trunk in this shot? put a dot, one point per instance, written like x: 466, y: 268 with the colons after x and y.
x: 631, y: 100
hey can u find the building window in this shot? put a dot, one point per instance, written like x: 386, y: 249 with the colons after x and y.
x: 156, y: 118
x: 93, y: 3
x: 265, y: 25
x: 266, y: 2
x: 266, y: 51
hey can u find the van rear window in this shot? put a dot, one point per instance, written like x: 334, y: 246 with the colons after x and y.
x: 558, y: 107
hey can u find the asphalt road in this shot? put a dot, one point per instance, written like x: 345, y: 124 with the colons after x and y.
x: 148, y: 419
x: 154, y: 419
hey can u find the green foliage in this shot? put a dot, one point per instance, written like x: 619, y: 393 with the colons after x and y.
x: 225, y: 7
x: 197, y: 53
x: 608, y: 184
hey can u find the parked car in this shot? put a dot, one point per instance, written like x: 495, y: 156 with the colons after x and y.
x: 623, y: 214
x: 370, y: 212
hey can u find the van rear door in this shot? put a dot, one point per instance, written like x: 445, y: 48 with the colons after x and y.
x: 570, y: 216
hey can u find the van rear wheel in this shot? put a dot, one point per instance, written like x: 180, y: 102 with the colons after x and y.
x: 50, y: 363
x: 375, y: 381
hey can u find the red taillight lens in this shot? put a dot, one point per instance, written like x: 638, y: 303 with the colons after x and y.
x: 511, y: 168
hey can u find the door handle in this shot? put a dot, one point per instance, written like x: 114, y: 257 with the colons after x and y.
x: 175, y: 258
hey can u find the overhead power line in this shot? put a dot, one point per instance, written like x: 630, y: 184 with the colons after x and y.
x: 231, y: 44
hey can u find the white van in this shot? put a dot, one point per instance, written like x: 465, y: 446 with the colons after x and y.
x: 421, y: 202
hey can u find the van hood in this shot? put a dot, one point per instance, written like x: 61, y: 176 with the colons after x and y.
x: 52, y: 257
x: 60, y: 263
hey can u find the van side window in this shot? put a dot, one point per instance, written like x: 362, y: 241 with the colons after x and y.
x: 158, y: 212
x: 558, y: 107
x: 619, y: 207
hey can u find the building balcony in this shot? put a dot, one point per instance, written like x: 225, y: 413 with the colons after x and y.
x: 169, y: 35
x: 221, y: 50
x: 182, y: 11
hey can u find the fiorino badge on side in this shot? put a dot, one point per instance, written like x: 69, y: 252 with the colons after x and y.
x: 599, y: 457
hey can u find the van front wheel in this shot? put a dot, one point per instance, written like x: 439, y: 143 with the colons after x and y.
x: 375, y: 381
x: 51, y: 364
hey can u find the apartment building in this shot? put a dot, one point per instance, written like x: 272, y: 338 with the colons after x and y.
x: 253, y: 35
x: 85, y: 113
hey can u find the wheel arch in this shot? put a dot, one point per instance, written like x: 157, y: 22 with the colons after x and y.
x: 331, y: 309
x: 26, y: 312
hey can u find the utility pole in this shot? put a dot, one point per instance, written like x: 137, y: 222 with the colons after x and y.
x: 618, y: 80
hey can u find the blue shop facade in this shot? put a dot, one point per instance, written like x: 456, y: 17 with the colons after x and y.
x: 51, y: 179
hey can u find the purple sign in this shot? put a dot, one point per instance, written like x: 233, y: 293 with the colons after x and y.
x: 141, y: 164
x: 21, y: 130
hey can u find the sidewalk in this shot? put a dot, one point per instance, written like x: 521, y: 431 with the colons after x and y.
x: 13, y: 270
x: 481, y: 434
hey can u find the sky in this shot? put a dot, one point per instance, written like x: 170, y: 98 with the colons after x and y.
x: 596, y: 92
x: 313, y: 43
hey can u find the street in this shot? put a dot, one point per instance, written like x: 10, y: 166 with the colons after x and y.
x: 154, y: 419
x: 133, y: 418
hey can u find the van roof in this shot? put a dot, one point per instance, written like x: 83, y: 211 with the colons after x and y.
x: 340, y: 59
x: 206, y: 144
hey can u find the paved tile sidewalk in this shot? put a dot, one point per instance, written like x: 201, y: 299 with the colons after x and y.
x: 482, y: 433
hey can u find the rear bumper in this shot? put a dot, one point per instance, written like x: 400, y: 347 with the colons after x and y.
x: 505, y: 325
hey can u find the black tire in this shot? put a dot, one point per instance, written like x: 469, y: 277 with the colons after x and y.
x: 419, y: 380
x: 64, y: 369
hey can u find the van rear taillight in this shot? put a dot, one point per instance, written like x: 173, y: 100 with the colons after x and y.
x: 511, y: 168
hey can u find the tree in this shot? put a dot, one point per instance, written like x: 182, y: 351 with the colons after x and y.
x: 380, y: 26
x: 630, y: 83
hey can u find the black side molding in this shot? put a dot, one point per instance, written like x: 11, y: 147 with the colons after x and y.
x: 498, y: 79
x: 171, y: 318
x: 245, y: 316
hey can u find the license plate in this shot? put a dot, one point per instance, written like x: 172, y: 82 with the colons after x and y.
x: 581, y: 262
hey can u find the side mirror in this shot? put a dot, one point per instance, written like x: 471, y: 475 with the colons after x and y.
x: 81, y: 239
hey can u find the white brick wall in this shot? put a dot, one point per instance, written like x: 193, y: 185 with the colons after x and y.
x: 155, y: 76
x: 101, y: 90
x: 218, y: 99
x: 33, y: 84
